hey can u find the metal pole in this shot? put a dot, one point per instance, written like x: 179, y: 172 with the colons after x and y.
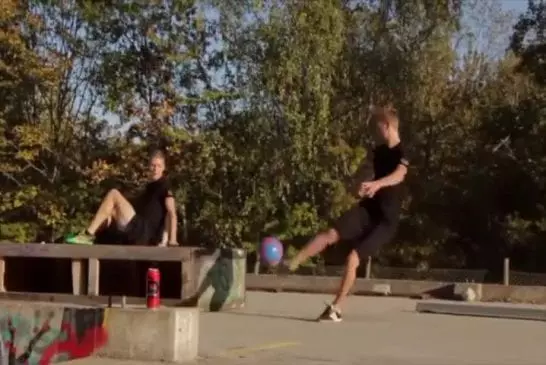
x: 369, y: 268
x: 506, y: 271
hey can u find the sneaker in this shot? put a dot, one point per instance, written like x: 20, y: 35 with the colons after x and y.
x: 330, y: 314
x: 80, y: 239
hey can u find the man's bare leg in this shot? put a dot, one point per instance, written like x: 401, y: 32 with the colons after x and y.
x: 349, y: 277
x: 314, y: 247
x: 114, y: 207
x: 332, y: 313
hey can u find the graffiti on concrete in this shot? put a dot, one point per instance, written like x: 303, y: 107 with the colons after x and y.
x: 50, y: 335
x: 222, y: 281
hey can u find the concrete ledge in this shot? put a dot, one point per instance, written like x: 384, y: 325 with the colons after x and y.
x: 460, y: 291
x: 496, y: 310
x: 513, y: 293
x: 166, y: 334
x: 405, y: 288
x: 329, y: 284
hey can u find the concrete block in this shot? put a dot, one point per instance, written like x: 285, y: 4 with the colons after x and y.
x: 494, y: 310
x: 382, y: 289
x: 4, y: 355
x: 460, y: 291
x: 165, y: 334
x: 44, y: 333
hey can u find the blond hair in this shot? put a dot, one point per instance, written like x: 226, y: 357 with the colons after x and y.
x: 158, y: 154
x: 386, y: 114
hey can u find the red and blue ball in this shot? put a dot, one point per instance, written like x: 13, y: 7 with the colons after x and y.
x: 271, y: 251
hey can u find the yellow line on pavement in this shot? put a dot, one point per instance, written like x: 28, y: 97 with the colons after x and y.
x: 267, y: 346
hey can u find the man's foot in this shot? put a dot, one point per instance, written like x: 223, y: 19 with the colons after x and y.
x: 80, y: 239
x: 286, y: 267
x: 293, y: 265
x: 330, y: 314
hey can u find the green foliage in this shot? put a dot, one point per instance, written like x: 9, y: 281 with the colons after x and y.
x: 17, y: 232
x: 263, y: 108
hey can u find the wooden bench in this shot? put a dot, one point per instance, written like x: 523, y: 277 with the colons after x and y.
x: 85, y: 261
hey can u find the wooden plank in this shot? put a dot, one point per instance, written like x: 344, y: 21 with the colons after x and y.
x: 93, y: 272
x: 78, y: 277
x: 2, y: 275
x: 108, y: 252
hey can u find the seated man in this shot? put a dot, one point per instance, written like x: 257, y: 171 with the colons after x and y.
x: 152, y: 220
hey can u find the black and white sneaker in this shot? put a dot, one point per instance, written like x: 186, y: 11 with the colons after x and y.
x: 330, y: 314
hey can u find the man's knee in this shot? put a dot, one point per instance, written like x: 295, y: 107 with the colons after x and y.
x: 353, y: 260
x: 113, y: 194
x: 331, y: 236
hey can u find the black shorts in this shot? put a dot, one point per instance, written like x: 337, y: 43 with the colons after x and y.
x: 364, y: 228
x: 137, y: 231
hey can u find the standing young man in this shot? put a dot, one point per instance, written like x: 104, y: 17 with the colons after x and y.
x: 374, y: 220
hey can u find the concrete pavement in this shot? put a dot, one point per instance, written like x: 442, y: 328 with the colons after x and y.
x: 278, y: 328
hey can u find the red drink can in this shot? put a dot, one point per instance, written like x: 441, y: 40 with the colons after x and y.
x: 153, y: 279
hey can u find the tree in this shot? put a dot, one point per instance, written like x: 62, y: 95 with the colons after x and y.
x: 529, y: 40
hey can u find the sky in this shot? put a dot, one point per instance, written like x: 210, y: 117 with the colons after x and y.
x: 515, y: 5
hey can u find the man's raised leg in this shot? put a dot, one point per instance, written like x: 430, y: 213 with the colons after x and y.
x: 115, y: 207
x: 314, y: 247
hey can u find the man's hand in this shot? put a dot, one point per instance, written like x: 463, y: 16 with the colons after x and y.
x: 368, y: 189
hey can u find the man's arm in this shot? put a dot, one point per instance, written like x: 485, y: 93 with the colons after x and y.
x: 394, y: 178
x: 171, y: 221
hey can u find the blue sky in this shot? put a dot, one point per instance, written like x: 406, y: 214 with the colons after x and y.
x: 515, y: 5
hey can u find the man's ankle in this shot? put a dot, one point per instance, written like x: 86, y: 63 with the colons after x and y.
x: 293, y: 264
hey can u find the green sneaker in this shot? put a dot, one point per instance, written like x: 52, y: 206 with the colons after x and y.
x: 80, y: 239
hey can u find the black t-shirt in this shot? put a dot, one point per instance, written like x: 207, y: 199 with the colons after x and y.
x: 385, y: 161
x: 151, y: 207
